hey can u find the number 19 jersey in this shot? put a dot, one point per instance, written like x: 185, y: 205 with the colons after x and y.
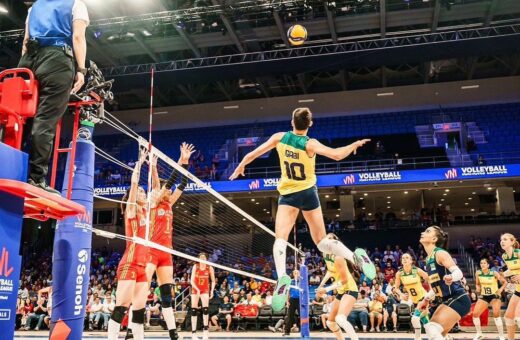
x: 298, y: 169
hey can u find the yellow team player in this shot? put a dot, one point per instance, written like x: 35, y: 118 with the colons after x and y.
x: 486, y: 281
x: 409, y: 276
x: 297, y: 188
x: 347, y: 293
x: 511, y: 257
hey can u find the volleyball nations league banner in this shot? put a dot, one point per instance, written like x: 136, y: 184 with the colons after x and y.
x: 352, y: 179
x: 72, y: 247
x: 11, y: 214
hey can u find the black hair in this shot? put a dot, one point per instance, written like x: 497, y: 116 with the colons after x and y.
x: 302, y: 118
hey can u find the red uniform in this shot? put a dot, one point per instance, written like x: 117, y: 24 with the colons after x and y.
x: 161, y: 225
x: 202, y: 279
x: 133, y: 262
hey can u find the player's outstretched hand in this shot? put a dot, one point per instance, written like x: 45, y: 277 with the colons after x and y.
x: 239, y: 171
x: 186, y: 151
x: 359, y: 144
x: 143, y: 153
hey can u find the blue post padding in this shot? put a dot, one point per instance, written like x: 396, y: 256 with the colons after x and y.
x: 304, y: 302
x: 14, y: 166
x: 72, y: 249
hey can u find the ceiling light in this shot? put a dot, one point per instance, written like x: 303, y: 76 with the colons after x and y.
x: 243, y: 219
x: 369, y: 214
x: 365, y: 194
x: 257, y: 203
x: 217, y: 202
x: 363, y: 208
x: 469, y: 87
x: 470, y: 198
x: 339, y: 209
x: 3, y: 9
x: 442, y: 200
x: 361, y: 198
x: 231, y: 107
x: 334, y: 199
x: 182, y: 203
x: 444, y: 194
x: 306, y: 101
x: 337, y: 215
x: 388, y: 202
x: 252, y: 199
x: 327, y: 196
x: 388, y: 197
x: 130, y: 34
x: 388, y: 207
x: 490, y: 188
x: 472, y: 209
x: 474, y: 193
x: 447, y: 190
x: 146, y: 33
x: 466, y: 203
x: 406, y: 192
x: 440, y: 205
x: 385, y: 94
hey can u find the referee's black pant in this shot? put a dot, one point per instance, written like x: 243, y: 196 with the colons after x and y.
x: 290, y: 318
x: 54, y: 70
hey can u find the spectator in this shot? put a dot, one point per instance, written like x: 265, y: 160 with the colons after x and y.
x: 376, y: 313
x: 257, y: 298
x: 108, y: 307
x: 223, y: 290
x: 390, y: 311
x: 390, y: 271
x: 153, y: 309
x: 96, y: 313
x: 224, y: 311
x: 359, y: 313
x: 318, y: 300
x: 268, y: 298
x: 327, y: 307
x: 364, y: 287
x: 40, y: 311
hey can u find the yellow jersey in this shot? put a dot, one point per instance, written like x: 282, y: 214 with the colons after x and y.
x: 513, y: 264
x: 298, y: 169
x: 412, y: 284
x: 488, y: 282
x: 350, y: 285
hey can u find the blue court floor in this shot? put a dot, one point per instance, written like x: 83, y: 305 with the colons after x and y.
x: 31, y: 335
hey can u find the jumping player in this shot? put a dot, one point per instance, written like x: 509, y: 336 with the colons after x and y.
x: 347, y: 293
x: 131, y: 273
x: 297, y: 188
x: 487, y: 286
x: 201, y: 274
x: 409, y: 276
x: 444, y: 278
x: 161, y: 224
x: 511, y: 257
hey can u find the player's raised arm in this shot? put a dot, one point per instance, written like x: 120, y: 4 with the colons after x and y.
x: 259, y: 151
x: 186, y: 151
x: 315, y: 147
x: 131, y: 207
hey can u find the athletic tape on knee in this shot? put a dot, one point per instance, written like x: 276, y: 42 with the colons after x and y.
x: 138, y: 316
x: 166, y: 295
x: 416, y: 322
x: 509, y: 322
x: 333, y: 326
x: 205, y: 310
x: 434, y: 331
x: 195, y: 311
x: 119, y: 313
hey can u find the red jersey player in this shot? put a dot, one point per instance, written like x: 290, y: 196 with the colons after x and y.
x: 201, y: 274
x: 131, y: 273
x: 161, y: 225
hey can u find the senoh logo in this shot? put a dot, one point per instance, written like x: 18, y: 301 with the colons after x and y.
x: 451, y: 174
x: 81, y: 270
x: 349, y: 179
x: 5, y: 270
x: 254, y: 185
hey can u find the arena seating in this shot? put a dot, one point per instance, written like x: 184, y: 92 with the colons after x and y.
x: 396, y: 131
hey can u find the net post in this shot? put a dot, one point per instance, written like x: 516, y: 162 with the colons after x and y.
x: 304, y: 300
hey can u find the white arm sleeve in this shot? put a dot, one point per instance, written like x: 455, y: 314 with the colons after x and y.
x: 430, y: 294
x: 456, y: 273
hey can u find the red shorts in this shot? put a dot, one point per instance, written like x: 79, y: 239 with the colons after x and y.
x: 131, y: 271
x: 159, y: 258
x: 203, y: 290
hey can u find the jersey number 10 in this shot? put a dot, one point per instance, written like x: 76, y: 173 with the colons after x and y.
x: 290, y: 169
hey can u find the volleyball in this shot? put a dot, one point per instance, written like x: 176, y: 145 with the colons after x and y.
x: 297, y: 35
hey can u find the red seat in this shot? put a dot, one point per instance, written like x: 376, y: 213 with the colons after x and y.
x: 18, y: 101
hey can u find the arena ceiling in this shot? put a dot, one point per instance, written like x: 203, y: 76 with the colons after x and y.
x: 353, y: 44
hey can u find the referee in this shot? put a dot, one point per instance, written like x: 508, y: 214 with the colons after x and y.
x: 54, y: 48
x: 294, y: 303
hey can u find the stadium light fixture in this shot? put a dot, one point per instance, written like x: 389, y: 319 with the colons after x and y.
x: 469, y: 87
x: 406, y: 192
x: 306, y: 101
x: 385, y: 94
x: 3, y: 9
